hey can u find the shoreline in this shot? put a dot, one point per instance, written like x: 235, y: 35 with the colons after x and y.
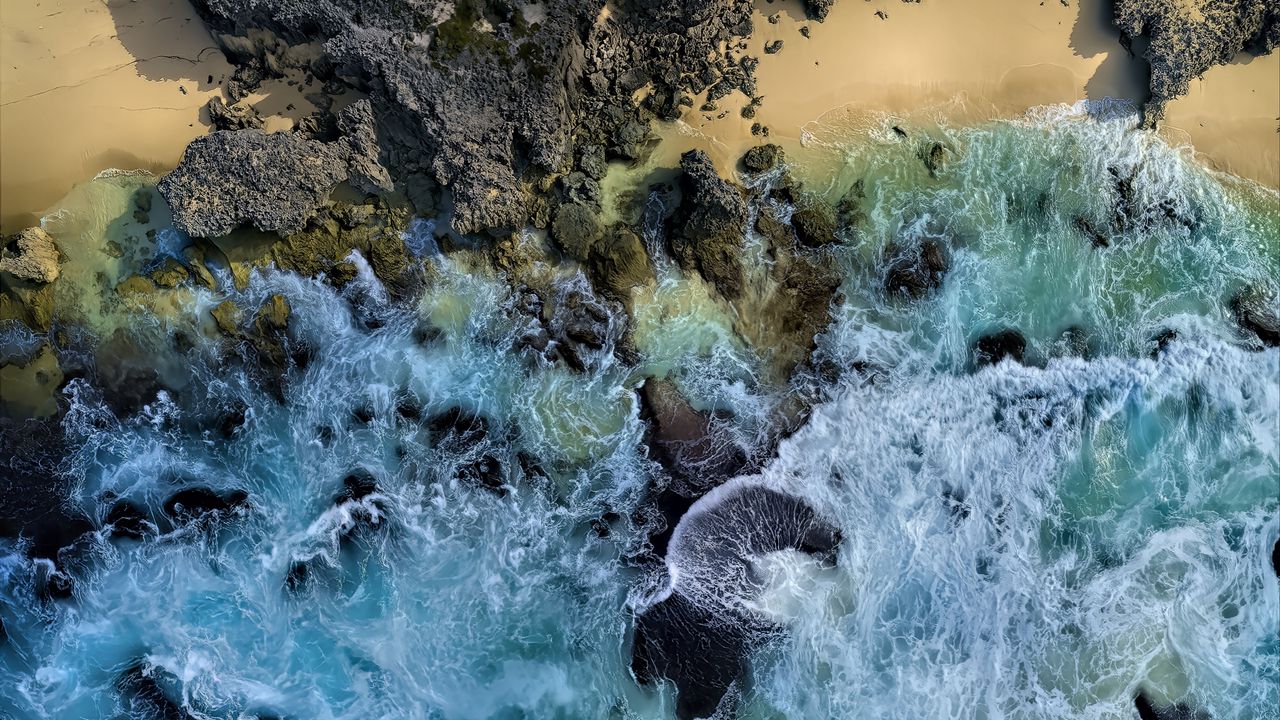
x: 145, y: 70
x: 1038, y: 55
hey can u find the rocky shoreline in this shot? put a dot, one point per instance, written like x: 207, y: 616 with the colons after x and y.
x: 499, y: 122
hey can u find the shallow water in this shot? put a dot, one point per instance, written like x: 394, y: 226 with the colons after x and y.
x: 1018, y: 541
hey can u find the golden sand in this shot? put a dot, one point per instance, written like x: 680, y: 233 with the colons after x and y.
x: 88, y: 85
x: 967, y: 62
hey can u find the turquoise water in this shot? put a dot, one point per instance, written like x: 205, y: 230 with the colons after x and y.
x: 1019, y: 541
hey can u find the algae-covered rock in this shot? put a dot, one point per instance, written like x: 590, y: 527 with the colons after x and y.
x: 135, y: 286
x: 763, y: 157
x: 170, y: 274
x: 226, y: 315
x: 708, y: 229
x: 31, y: 255
x: 576, y: 229
x: 619, y: 262
x: 814, y: 221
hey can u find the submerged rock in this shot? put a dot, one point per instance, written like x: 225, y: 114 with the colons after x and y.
x: 198, y: 503
x: 1258, y: 312
x: 1148, y: 709
x: 696, y: 448
x: 708, y: 229
x: 146, y: 691
x: 31, y: 255
x: 274, y: 181
x: 915, y: 270
x: 990, y: 349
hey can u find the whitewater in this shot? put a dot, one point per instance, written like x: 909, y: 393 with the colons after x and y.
x: 1036, y: 539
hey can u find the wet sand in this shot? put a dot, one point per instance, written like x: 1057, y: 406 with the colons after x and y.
x: 966, y: 62
x: 1231, y: 117
x: 87, y: 86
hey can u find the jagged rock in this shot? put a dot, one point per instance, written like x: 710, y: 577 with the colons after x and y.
x: 360, y: 132
x: 485, y: 103
x: 818, y: 9
x: 763, y: 157
x: 31, y: 255
x: 1188, y: 38
x: 275, y: 181
x: 773, y: 47
x: 915, y: 270
x: 232, y: 117
x: 708, y: 229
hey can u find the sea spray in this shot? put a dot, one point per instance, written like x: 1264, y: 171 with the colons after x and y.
x: 1019, y: 540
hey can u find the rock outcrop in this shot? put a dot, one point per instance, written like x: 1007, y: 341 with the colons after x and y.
x: 1184, y: 38
x: 31, y: 255
x: 707, y: 231
x: 493, y: 102
x: 275, y: 181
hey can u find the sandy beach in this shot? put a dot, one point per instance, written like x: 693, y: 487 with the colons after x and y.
x: 969, y: 62
x: 88, y: 85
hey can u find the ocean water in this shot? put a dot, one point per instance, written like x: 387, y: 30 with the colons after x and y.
x: 1038, y: 540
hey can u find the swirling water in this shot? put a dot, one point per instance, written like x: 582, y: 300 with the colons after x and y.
x: 1019, y: 541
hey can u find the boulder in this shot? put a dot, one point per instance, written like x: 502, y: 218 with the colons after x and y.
x: 763, y: 157
x: 708, y: 229
x: 276, y: 182
x: 31, y: 255
x: 914, y: 270
x: 991, y: 348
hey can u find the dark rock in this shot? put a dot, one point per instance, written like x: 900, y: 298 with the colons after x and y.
x: 915, y: 270
x: 991, y: 348
x: 355, y: 487
x: 1183, y: 43
x: 198, y: 503
x: 1149, y: 710
x: 708, y: 229
x: 763, y: 157
x: 814, y: 221
x: 275, y: 181
x: 696, y: 448
x: 1258, y: 312
x: 700, y: 635
x: 1275, y: 557
x: 146, y: 692
x: 127, y: 519
x: 773, y: 47
x: 818, y: 9
x: 232, y: 117
x: 298, y: 578
x: 466, y: 426
x: 1088, y: 230
x: 1161, y: 341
